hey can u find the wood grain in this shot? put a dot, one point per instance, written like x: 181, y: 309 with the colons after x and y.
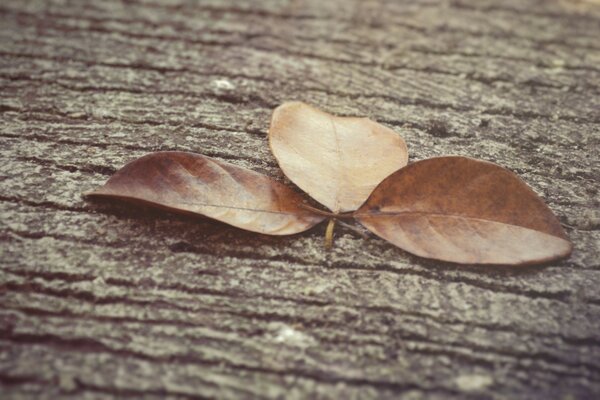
x: 111, y: 302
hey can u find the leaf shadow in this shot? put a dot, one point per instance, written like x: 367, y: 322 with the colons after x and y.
x: 194, y: 233
x: 444, y: 267
x: 497, y: 270
x: 190, y: 232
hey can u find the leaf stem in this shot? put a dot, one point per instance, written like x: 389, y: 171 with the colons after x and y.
x: 329, y: 233
x: 354, y: 229
x: 326, y: 213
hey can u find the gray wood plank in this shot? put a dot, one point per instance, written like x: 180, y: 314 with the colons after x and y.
x: 110, y: 301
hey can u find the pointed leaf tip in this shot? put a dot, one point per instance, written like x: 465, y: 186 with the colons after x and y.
x: 463, y: 210
x: 193, y: 183
x: 336, y: 160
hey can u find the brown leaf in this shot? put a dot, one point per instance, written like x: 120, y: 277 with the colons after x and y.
x: 192, y: 183
x: 463, y: 210
x: 336, y: 160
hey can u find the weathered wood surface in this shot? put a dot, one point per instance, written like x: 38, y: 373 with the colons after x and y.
x: 101, y: 301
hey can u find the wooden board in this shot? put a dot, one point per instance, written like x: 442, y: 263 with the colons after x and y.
x: 108, y: 301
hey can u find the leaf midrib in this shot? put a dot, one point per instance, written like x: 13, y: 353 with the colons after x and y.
x: 357, y: 215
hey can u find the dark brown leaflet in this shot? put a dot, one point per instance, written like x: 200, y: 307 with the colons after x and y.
x: 466, y: 211
x: 193, y: 183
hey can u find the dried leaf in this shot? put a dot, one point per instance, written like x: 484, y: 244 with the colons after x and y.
x: 448, y: 208
x: 336, y: 160
x: 463, y: 210
x: 192, y: 183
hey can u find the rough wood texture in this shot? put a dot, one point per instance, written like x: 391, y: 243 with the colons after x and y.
x: 101, y: 301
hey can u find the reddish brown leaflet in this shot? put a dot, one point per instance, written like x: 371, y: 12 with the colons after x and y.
x: 448, y: 208
x: 463, y: 210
